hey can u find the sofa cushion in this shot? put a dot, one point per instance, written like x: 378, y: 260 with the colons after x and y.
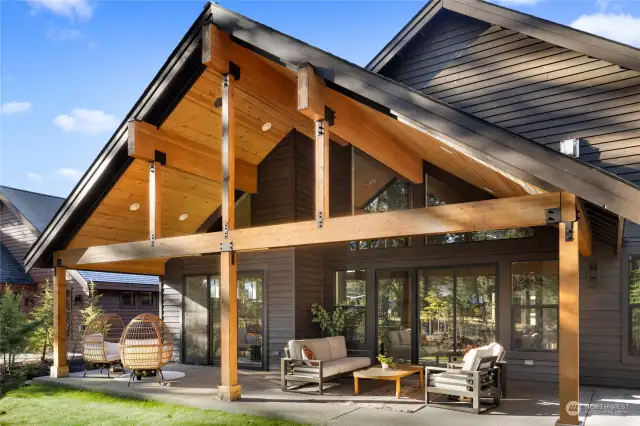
x: 498, y: 350
x: 393, y: 337
x: 295, y: 348
x: 338, y: 347
x: 321, y: 348
x: 344, y: 365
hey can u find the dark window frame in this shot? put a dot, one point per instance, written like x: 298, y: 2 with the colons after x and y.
x: 133, y: 300
x: 139, y: 300
x: 520, y: 307
x: 625, y: 255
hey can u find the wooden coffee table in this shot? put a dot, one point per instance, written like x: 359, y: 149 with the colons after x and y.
x: 401, y: 370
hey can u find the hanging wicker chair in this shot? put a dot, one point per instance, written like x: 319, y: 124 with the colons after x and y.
x: 146, y: 346
x: 100, y: 343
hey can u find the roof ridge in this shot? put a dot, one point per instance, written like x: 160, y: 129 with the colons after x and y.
x: 32, y: 192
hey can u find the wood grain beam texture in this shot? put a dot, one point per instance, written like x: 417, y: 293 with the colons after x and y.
x: 183, y: 154
x: 584, y: 228
x: 569, y: 311
x: 358, y: 124
x: 498, y: 213
x: 229, y: 389
x: 60, y: 367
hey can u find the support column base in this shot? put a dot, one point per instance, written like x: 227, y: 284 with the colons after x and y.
x: 229, y: 393
x: 580, y: 423
x: 59, y: 372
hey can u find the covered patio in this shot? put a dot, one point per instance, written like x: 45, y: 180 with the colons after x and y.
x: 166, y: 187
x: 376, y: 403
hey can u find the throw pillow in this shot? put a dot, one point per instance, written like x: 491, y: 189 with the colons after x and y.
x: 309, y: 357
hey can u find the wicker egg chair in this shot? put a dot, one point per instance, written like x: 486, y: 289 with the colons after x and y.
x: 100, y: 342
x: 146, y: 346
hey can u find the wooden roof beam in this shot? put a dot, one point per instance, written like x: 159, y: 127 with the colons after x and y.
x: 584, y: 229
x: 500, y: 213
x: 186, y: 155
x: 364, y: 127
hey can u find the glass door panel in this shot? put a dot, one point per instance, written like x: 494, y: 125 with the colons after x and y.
x: 394, y: 314
x: 475, y: 306
x: 196, y: 320
x: 250, y: 320
x: 435, y: 314
x: 214, y: 312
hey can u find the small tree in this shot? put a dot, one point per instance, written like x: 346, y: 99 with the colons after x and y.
x: 93, y: 310
x: 42, y: 337
x: 15, y: 329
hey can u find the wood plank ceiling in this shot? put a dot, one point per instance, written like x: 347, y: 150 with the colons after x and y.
x: 266, y: 110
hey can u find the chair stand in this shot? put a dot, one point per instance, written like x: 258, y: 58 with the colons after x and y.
x: 138, y: 374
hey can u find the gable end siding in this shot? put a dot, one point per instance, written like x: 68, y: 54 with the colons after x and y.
x: 538, y: 90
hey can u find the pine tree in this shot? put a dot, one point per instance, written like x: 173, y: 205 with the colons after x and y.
x: 42, y: 337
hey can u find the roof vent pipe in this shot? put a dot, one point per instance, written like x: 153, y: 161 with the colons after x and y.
x: 570, y: 147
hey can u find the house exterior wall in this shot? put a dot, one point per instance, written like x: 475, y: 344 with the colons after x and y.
x: 533, y: 88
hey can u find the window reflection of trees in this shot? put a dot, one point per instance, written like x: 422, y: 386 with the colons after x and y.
x: 634, y: 305
x: 351, y: 293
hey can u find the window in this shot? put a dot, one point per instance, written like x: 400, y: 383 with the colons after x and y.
x: 433, y: 200
x: 351, y: 293
x: 145, y: 298
x: 634, y: 305
x: 127, y: 299
x: 534, y: 302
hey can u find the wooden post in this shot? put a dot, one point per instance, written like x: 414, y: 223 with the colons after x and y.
x: 568, y: 343
x: 322, y: 171
x: 229, y: 389
x: 59, y: 367
x: 155, y: 201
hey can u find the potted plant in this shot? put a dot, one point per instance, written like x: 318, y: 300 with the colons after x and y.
x: 385, y: 361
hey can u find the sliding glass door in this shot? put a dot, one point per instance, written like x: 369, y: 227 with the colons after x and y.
x: 394, y: 314
x: 201, y: 311
x: 456, y: 309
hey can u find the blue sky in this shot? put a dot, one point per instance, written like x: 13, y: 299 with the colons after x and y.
x: 70, y: 70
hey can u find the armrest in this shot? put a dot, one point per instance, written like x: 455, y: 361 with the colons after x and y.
x: 455, y: 365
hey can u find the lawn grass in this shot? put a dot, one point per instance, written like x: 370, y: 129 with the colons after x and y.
x: 49, y: 405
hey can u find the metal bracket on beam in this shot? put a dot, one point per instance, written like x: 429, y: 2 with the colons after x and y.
x: 553, y: 215
x: 225, y: 229
x: 329, y: 115
x: 234, y: 70
x: 152, y: 238
x: 160, y: 157
x: 320, y: 128
x: 320, y: 219
x: 226, y: 246
x: 568, y: 231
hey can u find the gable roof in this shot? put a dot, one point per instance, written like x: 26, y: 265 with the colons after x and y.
x: 11, y: 271
x: 551, y: 32
x: 37, y: 209
x: 474, y: 137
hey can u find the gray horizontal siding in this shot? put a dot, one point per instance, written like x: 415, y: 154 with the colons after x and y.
x: 533, y: 88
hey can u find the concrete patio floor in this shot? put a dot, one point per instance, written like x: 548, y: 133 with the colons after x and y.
x: 530, y: 404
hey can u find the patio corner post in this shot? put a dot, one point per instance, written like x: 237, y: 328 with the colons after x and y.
x: 569, y: 315
x: 229, y: 389
x: 59, y: 367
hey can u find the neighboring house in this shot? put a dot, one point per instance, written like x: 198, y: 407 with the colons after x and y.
x: 23, y: 216
x: 440, y: 222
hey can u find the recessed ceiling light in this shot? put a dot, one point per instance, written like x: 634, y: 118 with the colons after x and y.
x: 266, y: 126
x: 446, y: 150
x: 183, y: 217
x: 133, y: 207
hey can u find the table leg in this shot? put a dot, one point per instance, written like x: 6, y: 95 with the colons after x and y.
x: 355, y: 385
x: 398, y: 388
x: 421, y: 377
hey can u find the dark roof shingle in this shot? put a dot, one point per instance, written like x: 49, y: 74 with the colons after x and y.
x: 38, y: 209
x: 11, y: 271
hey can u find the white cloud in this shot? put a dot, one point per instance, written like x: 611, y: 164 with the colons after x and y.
x: 14, y: 107
x: 84, y: 120
x: 69, y: 8
x: 64, y: 34
x: 34, y: 177
x: 69, y: 173
x: 619, y: 27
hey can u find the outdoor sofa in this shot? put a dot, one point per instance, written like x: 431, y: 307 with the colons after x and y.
x: 331, y: 362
